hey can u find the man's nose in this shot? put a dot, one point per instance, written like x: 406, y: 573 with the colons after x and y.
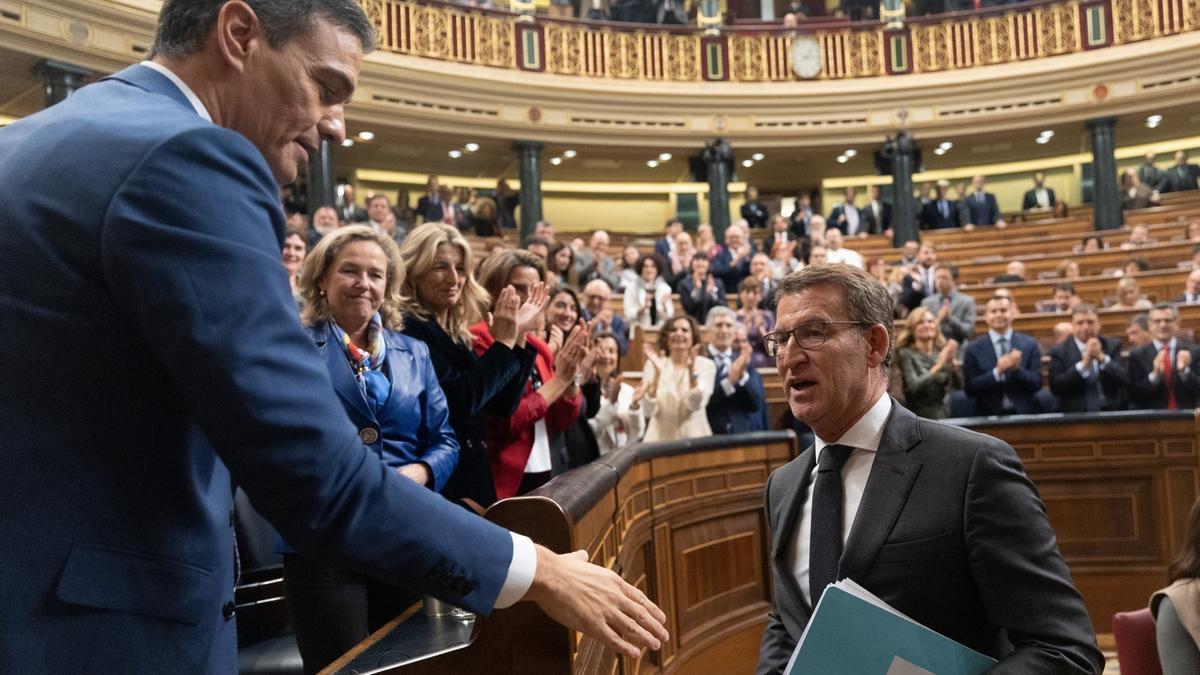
x: 332, y: 125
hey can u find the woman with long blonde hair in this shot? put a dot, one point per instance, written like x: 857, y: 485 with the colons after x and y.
x: 442, y: 300
x: 927, y: 364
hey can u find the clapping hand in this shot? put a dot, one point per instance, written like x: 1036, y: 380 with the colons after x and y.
x: 691, y: 364
x: 659, y: 363
x: 738, y: 368
x: 555, y: 340
x: 946, y: 357
x: 1183, y: 360
x: 1009, y: 361
x: 529, y: 314
x: 569, y: 357
x: 1160, y: 362
x: 502, y: 322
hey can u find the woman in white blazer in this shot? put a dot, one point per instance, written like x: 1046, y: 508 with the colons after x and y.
x: 679, y: 383
x: 648, y: 302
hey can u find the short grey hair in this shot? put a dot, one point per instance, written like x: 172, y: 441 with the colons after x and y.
x: 184, y: 25
x: 865, y: 299
x: 717, y: 312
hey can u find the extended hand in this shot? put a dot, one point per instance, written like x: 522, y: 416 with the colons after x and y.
x: 1183, y: 360
x: 596, y: 602
x: 530, y: 313
x: 504, y: 317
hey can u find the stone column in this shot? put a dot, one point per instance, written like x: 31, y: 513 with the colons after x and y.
x: 61, y: 79
x: 904, y: 222
x: 322, y: 188
x: 1106, y: 196
x: 717, y: 158
x: 529, y: 154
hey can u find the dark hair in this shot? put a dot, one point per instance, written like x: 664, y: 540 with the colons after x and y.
x: 1187, y: 564
x: 293, y: 231
x: 664, y: 334
x: 749, y: 284
x: 1142, y: 320
x: 658, y: 266
x: 534, y: 241
x: 953, y: 269
x: 1098, y: 238
x: 1141, y: 263
x: 1165, y: 307
x: 672, y: 221
x: 184, y: 25
x: 495, y: 270
x: 864, y: 297
x: 574, y: 298
x: 1083, y: 308
x: 1065, y: 286
x: 551, y: 265
x: 378, y: 195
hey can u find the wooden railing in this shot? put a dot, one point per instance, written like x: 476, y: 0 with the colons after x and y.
x: 642, y: 52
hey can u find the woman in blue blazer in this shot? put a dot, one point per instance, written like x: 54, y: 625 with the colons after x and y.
x: 387, y: 385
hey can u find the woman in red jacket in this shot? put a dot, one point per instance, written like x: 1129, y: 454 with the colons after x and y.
x: 524, y: 446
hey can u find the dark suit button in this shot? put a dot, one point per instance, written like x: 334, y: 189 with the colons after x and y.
x: 228, y: 610
x: 368, y: 435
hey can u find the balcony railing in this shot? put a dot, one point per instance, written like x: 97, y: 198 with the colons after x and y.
x: 625, y: 51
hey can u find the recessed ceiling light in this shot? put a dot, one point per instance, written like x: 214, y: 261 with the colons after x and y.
x: 747, y: 163
x: 758, y: 157
x: 939, y: 151
x: 455, y: 154
x: 945, y: 145
x: 664, y: 156
x: 842, y: 159
x: 471, y: 147
x: 366, y: 136
x: 1042, y: 140
x: 556, y: 160
x: 652, y: 163
x: 850, y: 153
x: 348, y: 142
x: 1047, y: 134
x: 1154, y: 118
x: 569, y: 154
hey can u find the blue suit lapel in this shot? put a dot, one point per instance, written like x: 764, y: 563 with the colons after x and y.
x: 152, y: 81
x: 343, y: 378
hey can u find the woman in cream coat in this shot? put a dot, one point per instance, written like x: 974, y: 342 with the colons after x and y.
x: 679, y: 383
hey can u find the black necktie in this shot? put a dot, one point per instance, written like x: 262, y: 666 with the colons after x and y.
x: 825, y: 537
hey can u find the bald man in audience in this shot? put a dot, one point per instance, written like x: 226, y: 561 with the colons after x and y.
x: 598, y: 313
x: 1191, y: 290
x: 594, y: 262
x: 837, y: 253
x: 1086, y: 371
x: 1014, y: 271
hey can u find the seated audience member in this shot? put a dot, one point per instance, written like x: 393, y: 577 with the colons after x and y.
x: 801, y: 219
x: 1137, y: 331
x: 1181, y: 176
x: 442, y: 300
x: 1064, y: 298
x: 921, y: 280
x: 980, y: 207
x: 387, y: 385
x: 757, y: 322
x: 878, y: 212
x: 537, y: 246
x: 1091, y: 244
x: 619, y: 421
x: 1160, y: 372
x: 784, y: 261
x: 664, y: 247
x: 760, y: 272
x: 560, y: 266
x: 1134, y: 266
x: 705, y: 243
x: 295, y: 249
x: 629, y: 271
x: 1175, y: 608
x: 908, y: 254
x: 732, y: 264
x: 941, y: 212
x: 648, y: 301
x: 520, y: 443
x: 835, y: 253
x: 1129, y: 296
x: 1014, y: 271
x: 1135, y: 194
x: 1148, y: 173
x: 482, y: 219
x: 594, y: 261
x: 562, y: 318
x: 599, y: 315
x: 1139, y: 236
x: 847, y: 218
x: 680, y: 383
x: 680, y: 259
x: 1012, y: 299
x: 1002, y: 371
x: 739, y: 400
x: 544, y: 229
x: 780, y: 233
x: 1191, y: 290
x: 753, y: 212
x: 954, y: 310
x: 1086, y: 371
x: 1040, y: 197
x: 927, y: 365
x: 817, y: 228
x: 1068, y: 269
x: 700, y: 291
x: 818, y: 255
x: 324, y: 220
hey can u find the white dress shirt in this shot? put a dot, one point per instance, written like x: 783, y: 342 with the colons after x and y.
x: 864, y: 437
x: 523, y: 565
x: 844, y: 255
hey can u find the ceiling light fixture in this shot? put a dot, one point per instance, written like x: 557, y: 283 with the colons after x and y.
x: 1153, y: 121
x: 366, y: 136
x: 455, y: 154
x: 842, y: 159
x: 664, y: 156
x: 1048, y: 133
x: 348, y: 142
x: 939, y: 151
x: 758, y: 157
x: 945, y: 145
x: 471, y: 147
x: 569, y: 154
x: 850, y: 153
x: 556, y: 160
x: 747, y: 163
x: 652, y: 163
x: 1042, y: 140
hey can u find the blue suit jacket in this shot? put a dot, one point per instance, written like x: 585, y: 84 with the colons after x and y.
x: 1019, y: 384
x: 743, y: 411
x: 977, y: 213
x: 152, y: 355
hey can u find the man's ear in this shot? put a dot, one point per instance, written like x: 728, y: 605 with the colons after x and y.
x: 877, y: 340
x: 238, y: 34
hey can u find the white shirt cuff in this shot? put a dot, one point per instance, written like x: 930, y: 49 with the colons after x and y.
x: 520, y: 572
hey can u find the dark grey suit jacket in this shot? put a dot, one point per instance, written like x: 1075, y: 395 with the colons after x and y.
x: 951, y: 533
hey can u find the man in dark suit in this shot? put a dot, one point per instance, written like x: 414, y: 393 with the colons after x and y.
x: 878, y: 213
x: 1181, y: 176
x: 938, y: 521
x: 799, y: 223
x: 1149, y: 174
x: 955, y: 311
x: 732, y: 263
x: 597, y: 312
x: 738, y: 403
x: 847, y: 217
x: 921, y: 280
x: 1191, y: 290
x: 700, y: 290
x: 349, y: 212
x: 179, y: 366
x: 980, y: 207
x: 753, y: 212
x: 1160, y: 373
x: 1002, y: 371
x: 666, y: 246
x: 1086, y: 370
x: 429, y: 206
x: 780, y: 232
x: 941, y: 212
x: 1040, y: 198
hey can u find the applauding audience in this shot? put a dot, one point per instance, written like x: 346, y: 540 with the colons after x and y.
x: 1003, y: 369
x: 700, y: 291
x: 739, y: 401
x: 620, y: 421
x: 927, y: 364
x: 1160, y: 372
x: 1086, y: 371
x: 648, y: 301
x: 680, y: 383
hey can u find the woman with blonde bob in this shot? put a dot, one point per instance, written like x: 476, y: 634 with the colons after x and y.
x: 351, y: 283
x: 926, y: 364
x: 441, y: 301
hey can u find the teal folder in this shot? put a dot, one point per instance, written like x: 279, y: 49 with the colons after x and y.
x: 852, y: 632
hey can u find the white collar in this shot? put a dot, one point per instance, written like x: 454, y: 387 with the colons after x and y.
x: 1007, y: 335
x: 187, y: 91
x: 867, y: 432
x: 728, y: 353
x: 1159, y: 345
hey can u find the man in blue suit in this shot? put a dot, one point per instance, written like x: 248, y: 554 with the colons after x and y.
x: 980, y: 207
x: 1002, y: 371
x: 738, y: 403
x: 154, y: 357
x: 664, y: 247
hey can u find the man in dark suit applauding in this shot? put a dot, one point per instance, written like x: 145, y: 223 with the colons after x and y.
x: 179, y: 368
x: 1003, y: 369
x: 1160, y: 373
x: 1040, y: 198
x: 938, y: 521
x: 738, y: 403
x: 1086, y: 370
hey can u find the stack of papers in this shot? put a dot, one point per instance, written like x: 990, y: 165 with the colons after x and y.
x: 852, y: 632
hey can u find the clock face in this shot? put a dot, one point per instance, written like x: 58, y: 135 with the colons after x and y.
x: 806, y: 57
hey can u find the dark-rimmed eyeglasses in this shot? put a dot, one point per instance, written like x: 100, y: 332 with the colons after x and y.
x: 809, y: 335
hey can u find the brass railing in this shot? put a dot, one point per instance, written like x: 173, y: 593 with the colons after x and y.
x: 619, y: 51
